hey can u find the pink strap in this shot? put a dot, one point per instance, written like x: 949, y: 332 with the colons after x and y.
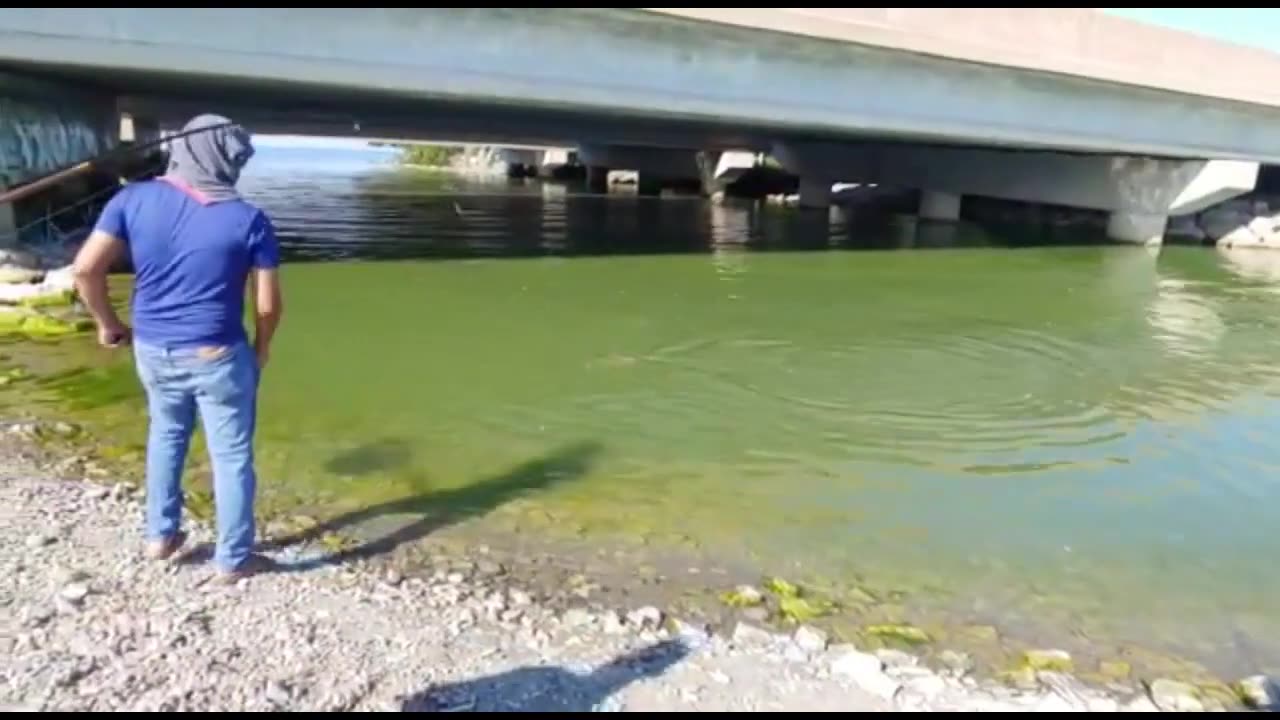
x: 191, y: 192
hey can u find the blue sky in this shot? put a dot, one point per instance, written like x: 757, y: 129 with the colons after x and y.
x: 1259, y: 27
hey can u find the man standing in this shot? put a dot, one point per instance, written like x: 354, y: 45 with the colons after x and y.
x: 195, y: 246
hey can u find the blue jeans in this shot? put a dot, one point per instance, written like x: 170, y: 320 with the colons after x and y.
x: 222, y: 384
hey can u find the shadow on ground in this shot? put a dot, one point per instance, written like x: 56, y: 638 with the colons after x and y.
x: 432, y: 510
x: 548, y: 689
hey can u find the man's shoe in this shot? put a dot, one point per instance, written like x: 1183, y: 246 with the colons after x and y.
x: 253, y: 565
x: 164, y: 548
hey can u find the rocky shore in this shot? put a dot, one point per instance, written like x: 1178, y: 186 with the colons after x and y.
x: 90, y: 625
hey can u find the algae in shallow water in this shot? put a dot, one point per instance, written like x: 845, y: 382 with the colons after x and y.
x: 1048, y: 661
x: 782, y: 588
x: 906, y: 633
x: 742, y: 597
x: 798, y: 610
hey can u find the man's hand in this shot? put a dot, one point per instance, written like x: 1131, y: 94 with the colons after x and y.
x: 114, y: 336
x: 91, y: 266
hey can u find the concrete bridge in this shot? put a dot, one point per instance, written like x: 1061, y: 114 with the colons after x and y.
x: 1062, y: 106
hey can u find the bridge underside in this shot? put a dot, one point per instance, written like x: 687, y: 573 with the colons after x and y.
x: 620, y: 81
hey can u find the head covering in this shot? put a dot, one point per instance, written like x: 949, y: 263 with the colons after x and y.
x: 209, y: 159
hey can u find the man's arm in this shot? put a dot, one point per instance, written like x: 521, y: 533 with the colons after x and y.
x: 268, y: 300
x: 92, y: 264
x: 268, y: 308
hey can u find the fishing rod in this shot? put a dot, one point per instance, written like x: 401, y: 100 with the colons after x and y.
x: 26, y: 190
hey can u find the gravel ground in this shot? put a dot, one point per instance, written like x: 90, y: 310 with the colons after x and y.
x: 89, y: 624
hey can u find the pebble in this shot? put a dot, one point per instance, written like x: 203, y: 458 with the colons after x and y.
x: 810, y: 639
x: 39, y: 540
x: 645, y: 617
x: 74, y: 592
x: 519, y: 598
x: 1174, y: 696
x: 277, y: 694
x: 1141, y: 703
x: 746, y: 635
x: 612, y: 624
x: 1260, y: 692
x: 957, y: 662
x: 896, y: 658
x: 97, y: 492
x: 393, y: 577
x: 576, y: 618
x: 1051, y: 660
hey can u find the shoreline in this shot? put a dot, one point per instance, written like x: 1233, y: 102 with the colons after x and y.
x: 95, y: 627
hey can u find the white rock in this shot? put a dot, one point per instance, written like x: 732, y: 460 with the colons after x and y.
x: 810, y: 639
x: 277, y: 694
x: 1142, y: 703
x: 60, y: 280
x: 1102, y: 705
x: 14, y: 275
x: 74, y: 592
x: 925, y: 687
x: 645, y: 617
x: 1066, y: 688
x: 794, y: 653
x: 613, y: 624
x: 97, y: 492
x: 577, y: 617
x: 748, y: 595
x: 864, y: 669
x: 1260, y: 692
x: 1174, y: 696
x: 519, y: 597
x: 745, y: 635
x: 896, y: 658
x: 39, y: 540
x: 957, y: 662
x: 12, y: 293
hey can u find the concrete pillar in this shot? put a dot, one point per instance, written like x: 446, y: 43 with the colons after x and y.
x: 648, y: 185
x: 943, y: 206
x: 597, y: 179
x: 1137, y: 227
x: 815, y: 192
x: 8, y: 226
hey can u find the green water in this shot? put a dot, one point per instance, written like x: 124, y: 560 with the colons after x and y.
x: 1073, y: 443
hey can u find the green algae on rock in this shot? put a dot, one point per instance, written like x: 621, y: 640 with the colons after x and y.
x: 742, y: 596
x: 906, y: 633
x: 1048, y: 661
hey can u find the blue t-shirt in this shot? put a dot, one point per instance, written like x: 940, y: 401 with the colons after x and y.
x: 191, y: 260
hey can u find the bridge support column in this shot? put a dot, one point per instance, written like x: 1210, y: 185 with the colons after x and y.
x: 8, y: 226
x: 597, y: 179
x: 648, y: 184
x: 942, y: 206
x: 1137, y: 227
x: 654, y: 167
x: 815, y: 192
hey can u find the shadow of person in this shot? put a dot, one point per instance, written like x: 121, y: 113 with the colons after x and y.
x: 548, y: 689
x: 431, y: 511
x: 381, y: 456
